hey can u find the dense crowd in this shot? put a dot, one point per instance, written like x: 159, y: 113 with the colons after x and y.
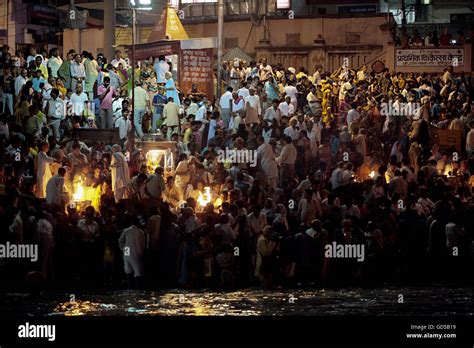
x: 264, y: 177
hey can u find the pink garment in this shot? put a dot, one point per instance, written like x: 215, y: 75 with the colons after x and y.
x: 106, y: 103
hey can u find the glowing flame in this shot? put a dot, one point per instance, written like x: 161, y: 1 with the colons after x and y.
x: 153, y: 158
x: 79, y: 192
x: 372, y: 174
x: 218, y: 202
x: 205, y: 198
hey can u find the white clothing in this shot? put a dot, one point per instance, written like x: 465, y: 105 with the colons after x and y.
x: 78, y: 101
x: 55, y: 191
x: 43, y: 173
x: 132, y: 243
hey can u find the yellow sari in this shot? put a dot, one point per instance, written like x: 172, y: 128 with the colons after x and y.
x: 327, y: 117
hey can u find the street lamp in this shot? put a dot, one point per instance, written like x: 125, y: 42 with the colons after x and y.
x: 145, y: 6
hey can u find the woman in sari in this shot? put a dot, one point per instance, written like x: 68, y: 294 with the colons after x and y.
x: 60, y: 86
x: 122, y: 72
x: 171, y: 90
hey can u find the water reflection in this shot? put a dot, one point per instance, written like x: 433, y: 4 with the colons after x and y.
x: 248, y: 302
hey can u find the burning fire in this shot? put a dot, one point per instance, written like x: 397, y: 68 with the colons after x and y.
x: 154, y: 158
x: 79, y: 192
x: 218, y: 202
x: 205, y: 198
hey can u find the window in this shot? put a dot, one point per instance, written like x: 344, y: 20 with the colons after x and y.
x: 352, y: 38
x: 293, y: 39
x: 283, y: 4
x: 231, y: 42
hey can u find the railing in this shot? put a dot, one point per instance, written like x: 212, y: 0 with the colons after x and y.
x: 426, y: 28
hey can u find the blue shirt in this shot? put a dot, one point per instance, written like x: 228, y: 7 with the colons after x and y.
x: 271, y: 90
x: 159, y: 99
x: 37, y: 82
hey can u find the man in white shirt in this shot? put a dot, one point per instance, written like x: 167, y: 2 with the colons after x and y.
x: 253, y: 108
x: 201, y: 114
x: 78, y: 72
x: 317, y: 75
x: 32, y: 56
x: 337, y: 177
x: 56, y: 112
x: 141, y: 105
x: 273, y: 113
x: 117, y: 107
x: 243, y: 92
x: 237, y: 103
x: 286, y: 108
x: 291, y: 91
x: 225, y: 104
x: 119, y: 60
x: 266, y: 160
x: 161, y: 68
x: 54, y: 62
x: 20, y: 81
x: 124, y: 125
x: 287, y: 160
x: 115, y: 80
x: 78, y: 100
x: 56, y: 194
x: 353, y: 115
x: 291, y: 130
x: 46, y: 91
x: 347, y: 88
x: 171, y: 116
x: 313, y: 101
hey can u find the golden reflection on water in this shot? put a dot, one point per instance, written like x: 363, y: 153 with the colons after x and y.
x: 77, y: 308
x: 169, y: 304
x: 250, y: 302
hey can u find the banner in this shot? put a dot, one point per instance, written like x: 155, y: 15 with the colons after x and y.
x: 441, y: 57
x: 154, y: 49
x: 43, y: 15
x: 196, y: 69
x: 354, y: 10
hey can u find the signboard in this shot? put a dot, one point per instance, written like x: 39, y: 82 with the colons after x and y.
x: 446, y: 139
x: 43, y: 15
x: 196, y: 68
x: 440, y: 57
x: 354, y: 10
x: 147, y: 50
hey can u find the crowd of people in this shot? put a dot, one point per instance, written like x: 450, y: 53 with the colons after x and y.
x: 346, y: 157
x: 411, y: 39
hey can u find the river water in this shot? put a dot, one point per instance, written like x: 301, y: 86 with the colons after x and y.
x: 436, y: 301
